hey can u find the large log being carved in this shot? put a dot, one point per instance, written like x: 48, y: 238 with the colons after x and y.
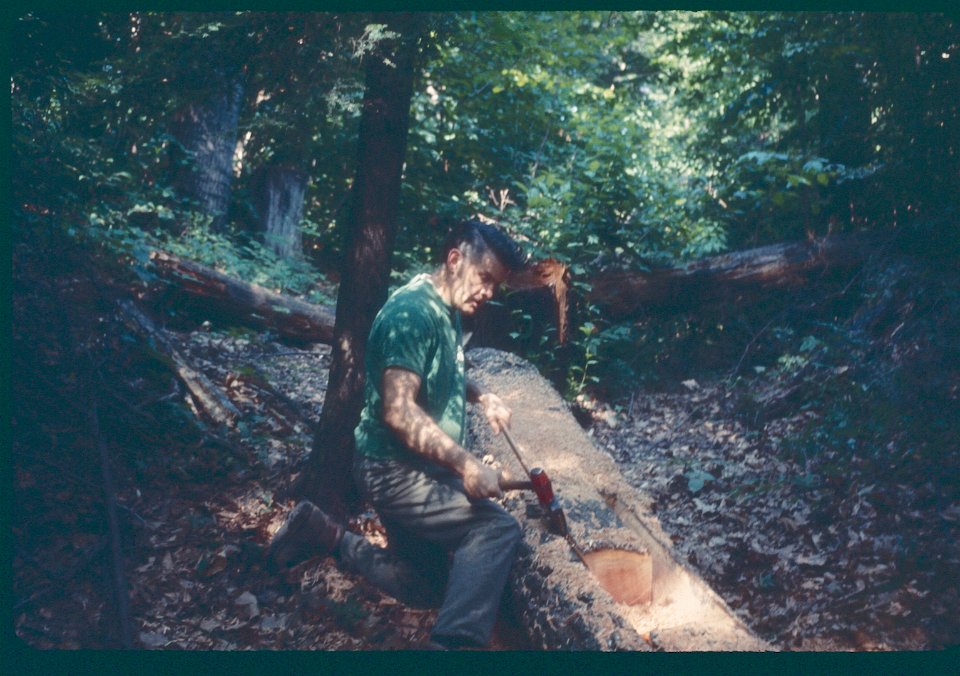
x: 562, y: 603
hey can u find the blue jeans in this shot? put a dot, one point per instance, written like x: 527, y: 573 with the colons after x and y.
x: 444, y: 547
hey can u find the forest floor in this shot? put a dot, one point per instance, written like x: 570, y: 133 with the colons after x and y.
x: 857, y: 562
x: 810, y: 556
x: 854, y: 565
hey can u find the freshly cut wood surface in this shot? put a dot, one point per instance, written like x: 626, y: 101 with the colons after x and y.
x: 626, y: 576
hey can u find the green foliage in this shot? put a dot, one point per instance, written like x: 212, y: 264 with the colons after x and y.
x: 250, y: 261
x: 870, y: 376
x: 585, y: 174
x: 630, y: 139
x: 90, y: 146
x: 237, y: 256
x: 697, y: 479
x: 789, y: 364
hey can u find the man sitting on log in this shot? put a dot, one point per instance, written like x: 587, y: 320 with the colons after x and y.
x: 432, y: 495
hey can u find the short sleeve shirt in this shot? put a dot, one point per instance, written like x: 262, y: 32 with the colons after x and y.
x: 415, y: 330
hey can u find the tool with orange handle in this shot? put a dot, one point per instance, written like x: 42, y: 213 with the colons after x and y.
x: 617, y: 571
x: 540, y: 484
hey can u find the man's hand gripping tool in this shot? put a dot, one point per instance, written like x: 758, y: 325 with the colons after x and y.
x: 540, y: 484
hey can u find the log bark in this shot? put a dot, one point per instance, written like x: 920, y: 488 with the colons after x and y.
x: 290, y: 317
x: 561, y: 603
x: 214, y: 403
x: 730, y: 277
x: 549, y: 274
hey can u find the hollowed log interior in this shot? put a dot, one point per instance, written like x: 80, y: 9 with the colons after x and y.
x: 626, y: 576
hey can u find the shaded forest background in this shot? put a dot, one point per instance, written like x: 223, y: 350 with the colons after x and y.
x: 611, y: 142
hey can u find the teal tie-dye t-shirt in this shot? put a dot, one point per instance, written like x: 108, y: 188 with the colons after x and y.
x: 415, y: 330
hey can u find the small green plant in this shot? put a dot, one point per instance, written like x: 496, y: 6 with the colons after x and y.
x: 697, y: 479
x: 580, y: 374
x: 791, y: 363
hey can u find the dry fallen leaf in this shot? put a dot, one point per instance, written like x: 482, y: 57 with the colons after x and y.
x: 951, y: 513
x: 250, y: 601
x: 152, y: 639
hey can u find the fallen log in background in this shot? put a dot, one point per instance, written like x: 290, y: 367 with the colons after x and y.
x: 214, y: 403
x: 623, y: 293
x: 290, y: 317
x: 302, y: 321
x: 561, y: 604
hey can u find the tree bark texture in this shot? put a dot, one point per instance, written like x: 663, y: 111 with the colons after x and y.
x: 279, y: 199
x: 207, y: 131
x: 729, y: 277
x: 290, y: 317
x: 371, y: 222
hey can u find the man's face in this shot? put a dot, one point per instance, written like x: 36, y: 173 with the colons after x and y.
x: 475, y: 279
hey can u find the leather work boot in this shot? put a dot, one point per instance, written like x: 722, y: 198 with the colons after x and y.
x: 307, y: 531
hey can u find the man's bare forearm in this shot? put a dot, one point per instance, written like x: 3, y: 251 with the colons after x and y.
x: 497, y: 413
x: 417, y: 431
x: 414, y: 428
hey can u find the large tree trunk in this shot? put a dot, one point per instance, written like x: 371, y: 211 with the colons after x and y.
x: 730, y: 277
x: 279, y: 197
x: 371, y: 222
x: 240, y: 301
x: 207, y: 130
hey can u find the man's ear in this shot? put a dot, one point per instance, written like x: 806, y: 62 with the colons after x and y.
x: 454, y: 258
